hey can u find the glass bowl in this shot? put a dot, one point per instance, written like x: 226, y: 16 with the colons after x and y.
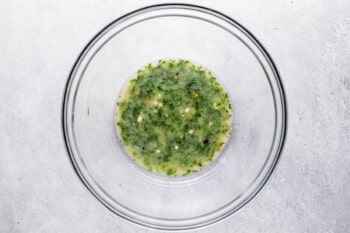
x: 242, y: 66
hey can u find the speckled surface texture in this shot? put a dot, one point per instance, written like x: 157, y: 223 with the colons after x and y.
x: 310, y: 43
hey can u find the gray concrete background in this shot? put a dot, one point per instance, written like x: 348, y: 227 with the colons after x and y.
x: 310, y: 43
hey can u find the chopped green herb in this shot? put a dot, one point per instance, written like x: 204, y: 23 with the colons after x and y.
x: 174, y: 117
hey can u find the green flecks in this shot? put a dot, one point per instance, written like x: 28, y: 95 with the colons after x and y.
x: 174, y: 117
x: 171, y: 172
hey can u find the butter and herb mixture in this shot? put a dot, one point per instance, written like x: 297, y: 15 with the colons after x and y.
x: 174, y: 117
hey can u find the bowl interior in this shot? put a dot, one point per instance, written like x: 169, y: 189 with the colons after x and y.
x: 174, y: 32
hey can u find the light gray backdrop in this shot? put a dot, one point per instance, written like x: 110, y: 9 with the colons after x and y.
x: 310, y: 43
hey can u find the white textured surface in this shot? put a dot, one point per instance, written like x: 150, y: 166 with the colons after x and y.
x: 310, y: 43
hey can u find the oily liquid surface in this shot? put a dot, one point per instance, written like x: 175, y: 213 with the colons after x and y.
x: 174, y: 118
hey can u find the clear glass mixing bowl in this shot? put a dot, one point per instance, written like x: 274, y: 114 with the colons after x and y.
x: 243, y: 67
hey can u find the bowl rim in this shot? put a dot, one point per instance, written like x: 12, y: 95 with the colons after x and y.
x: 281, y: 90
